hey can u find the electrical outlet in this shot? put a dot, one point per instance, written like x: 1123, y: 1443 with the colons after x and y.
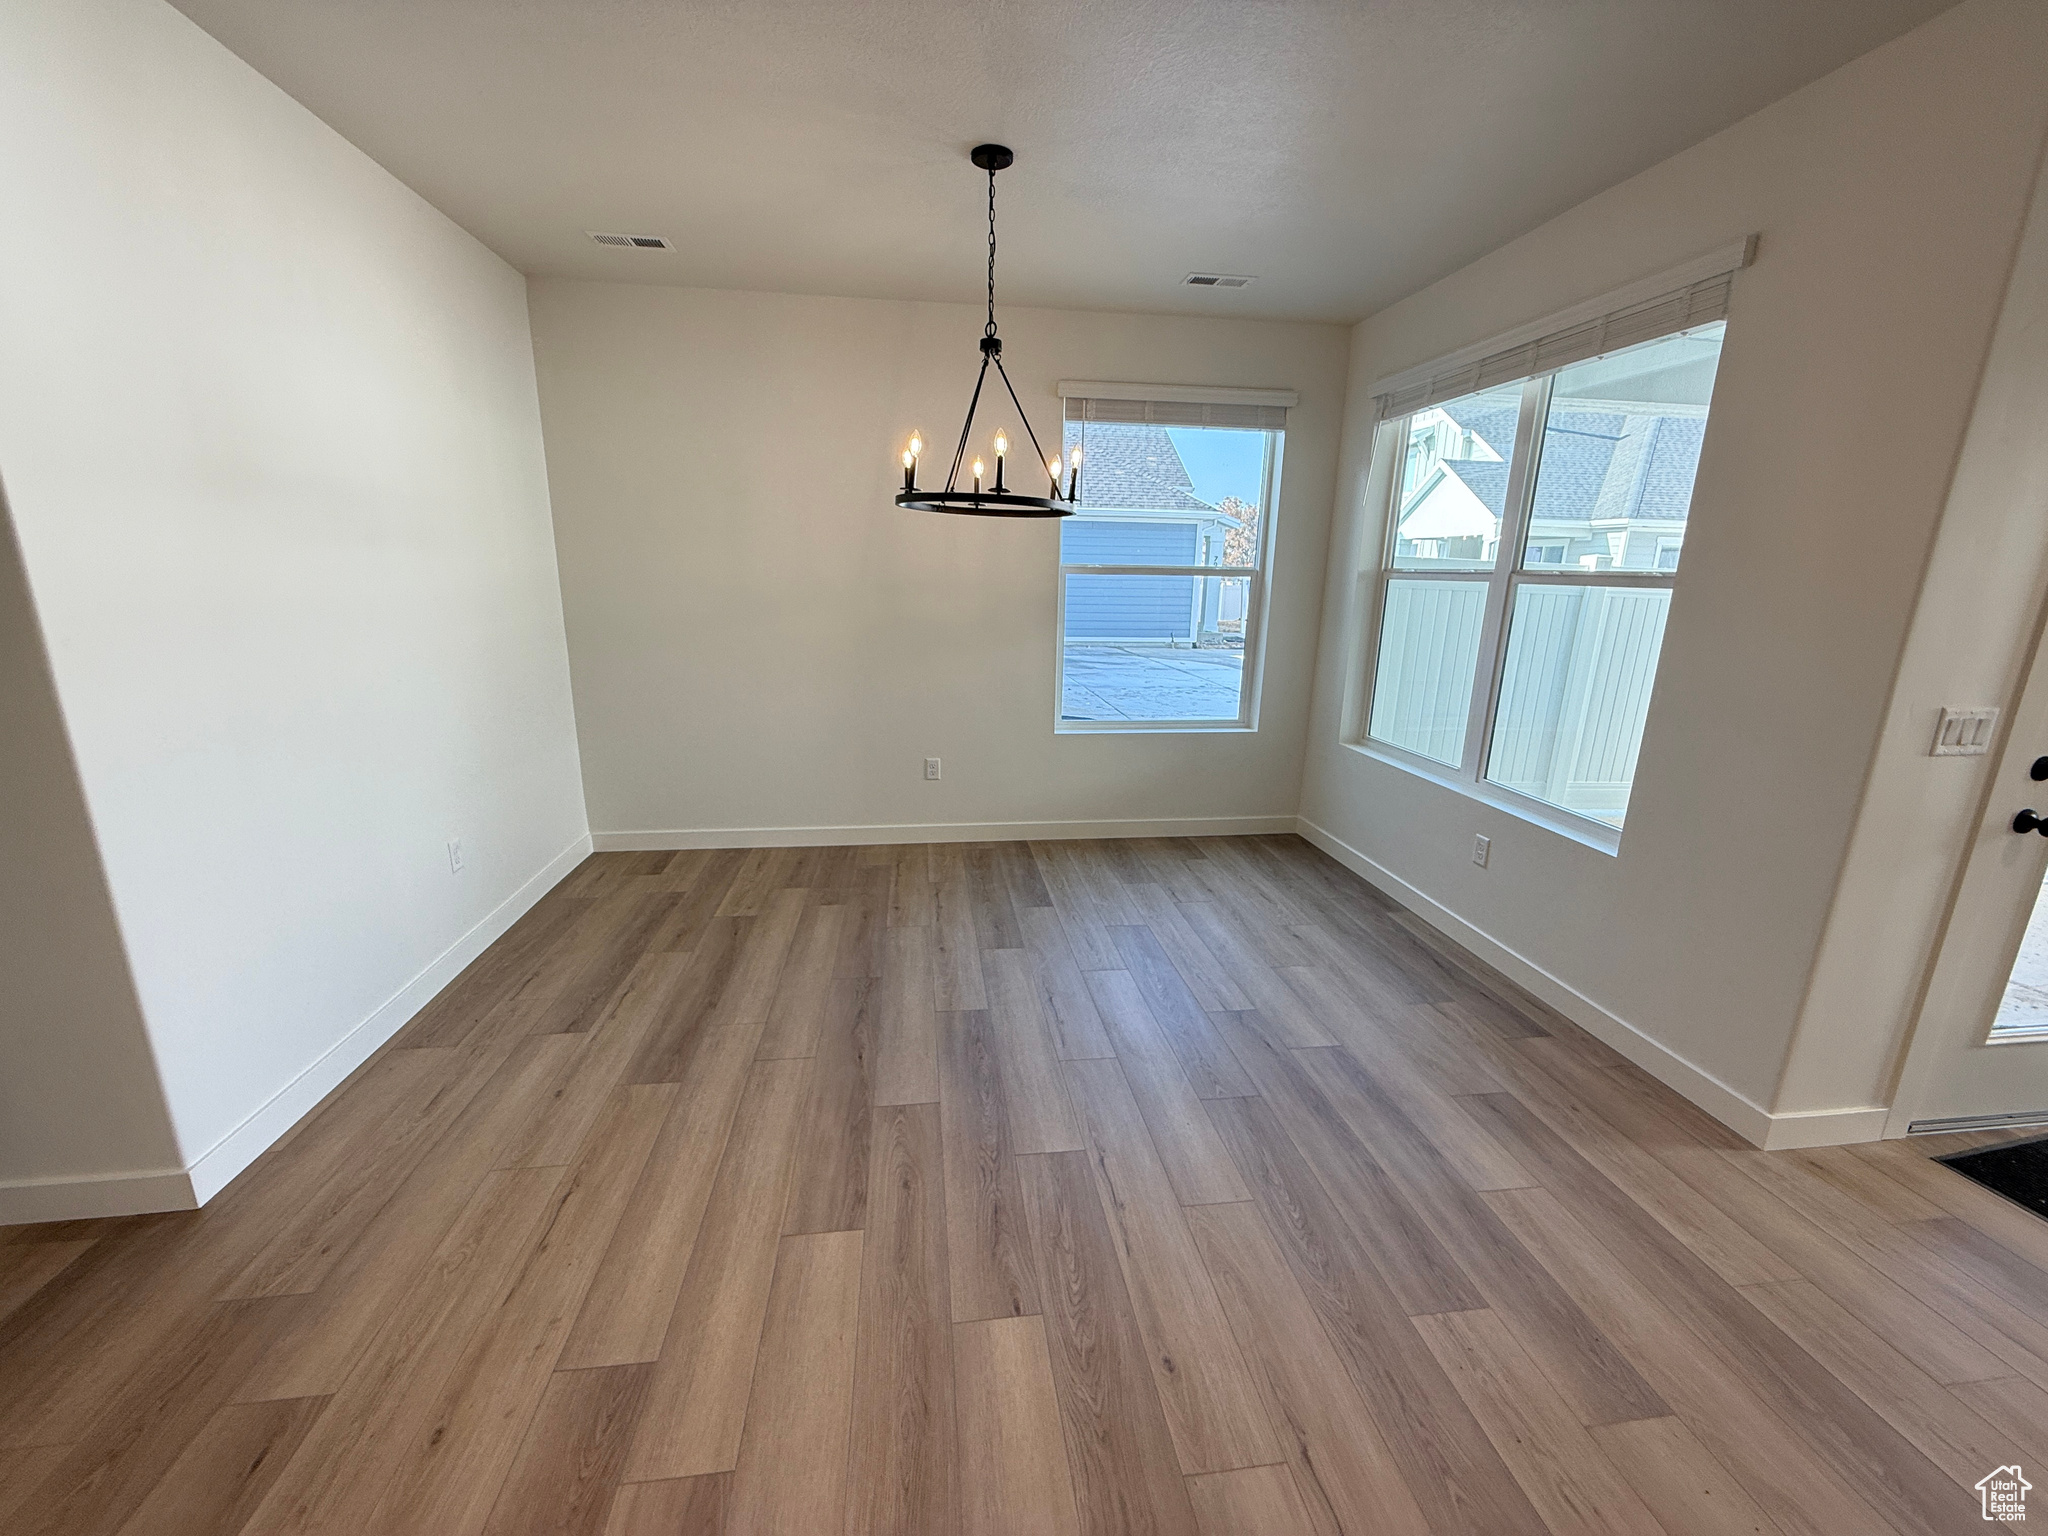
x: 931, y: 767
x: 454, y: 855
x: 1481, y: 848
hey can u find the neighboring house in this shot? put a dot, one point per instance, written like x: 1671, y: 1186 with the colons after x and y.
x: 1141, y: 509
x: 1612, y: 490
x: 1455, y: 484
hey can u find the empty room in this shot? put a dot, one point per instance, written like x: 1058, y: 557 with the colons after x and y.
x: 949, y: 768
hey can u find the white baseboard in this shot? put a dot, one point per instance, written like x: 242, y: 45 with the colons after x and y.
x: 185, y: 1189
x: 934, y: 832
x: 1749, y: 1120
x: 1825, y: 1127
x: 213, y: 1168
x: 78, y: 1198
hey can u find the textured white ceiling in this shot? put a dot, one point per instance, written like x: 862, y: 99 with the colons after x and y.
x: 1345, y: 153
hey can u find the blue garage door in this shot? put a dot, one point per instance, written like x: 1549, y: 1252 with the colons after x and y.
x: 1129, y: 607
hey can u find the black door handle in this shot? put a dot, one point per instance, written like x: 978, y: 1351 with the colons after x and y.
x: 2027, y: 821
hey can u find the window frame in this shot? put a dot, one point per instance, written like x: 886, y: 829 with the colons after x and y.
x: 1257, y: 591
x: 1509, y: 573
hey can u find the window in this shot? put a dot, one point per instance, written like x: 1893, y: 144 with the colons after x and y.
x: 1163, y: 569
x: 1528, y: 674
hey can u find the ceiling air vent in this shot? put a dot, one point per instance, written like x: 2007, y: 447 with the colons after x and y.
x: 1214, y: 280
x: 637, y: 242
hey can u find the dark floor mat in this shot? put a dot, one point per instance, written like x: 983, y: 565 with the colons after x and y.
x: 2018, y: 1171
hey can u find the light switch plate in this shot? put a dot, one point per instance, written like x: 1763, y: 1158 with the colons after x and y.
x: 1963, y: 733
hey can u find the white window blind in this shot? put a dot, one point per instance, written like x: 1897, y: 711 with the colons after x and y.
x: 1694, y: 294
x: 1180, y: 413
x: 1177, y: 405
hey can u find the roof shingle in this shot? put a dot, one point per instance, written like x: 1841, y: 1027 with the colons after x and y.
x: 1133, y: 466
x: 1596, y: 464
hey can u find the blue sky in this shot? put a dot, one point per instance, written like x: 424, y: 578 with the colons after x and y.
x: 1222, y: 463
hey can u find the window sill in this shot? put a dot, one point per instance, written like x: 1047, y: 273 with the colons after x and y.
x: 1151, y: 728
x: 1578, y: 829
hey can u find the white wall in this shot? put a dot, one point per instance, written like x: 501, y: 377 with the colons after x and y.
x: 78, y: 1087
x: 765, y: 647
x: 1888, y: 196
x: 1979, y: 610
x: 269, y: 432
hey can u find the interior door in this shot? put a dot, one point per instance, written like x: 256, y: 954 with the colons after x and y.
x: 1980, y: 1053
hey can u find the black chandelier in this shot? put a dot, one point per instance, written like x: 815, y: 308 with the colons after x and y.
x: 998, y: 500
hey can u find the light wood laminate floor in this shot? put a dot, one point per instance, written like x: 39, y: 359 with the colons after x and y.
x: 1151, y: 1186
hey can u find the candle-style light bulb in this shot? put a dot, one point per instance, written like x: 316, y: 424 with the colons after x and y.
x: 977, y: 477
x: 1002, y: 442
x: 1074, y: 480
x: 909, y: 470
x: 1052, y: 470
x: 917, y: 445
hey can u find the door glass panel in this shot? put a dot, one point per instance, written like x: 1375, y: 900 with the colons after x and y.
x: 2023, y: 1010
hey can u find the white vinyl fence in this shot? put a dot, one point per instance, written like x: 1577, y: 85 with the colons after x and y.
x: 1429, y: 649
x: 1575, y: 688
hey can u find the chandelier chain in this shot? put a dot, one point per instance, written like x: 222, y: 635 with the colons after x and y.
x: 991, y: 330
